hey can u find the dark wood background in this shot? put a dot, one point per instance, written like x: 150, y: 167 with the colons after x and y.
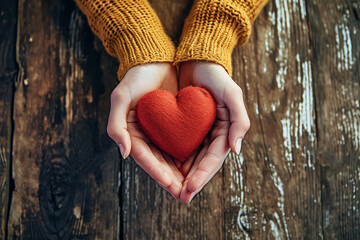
x: 298, y: 176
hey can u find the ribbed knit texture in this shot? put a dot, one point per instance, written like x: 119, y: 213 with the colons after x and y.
x: 130, y: 30
x: 213, y: 29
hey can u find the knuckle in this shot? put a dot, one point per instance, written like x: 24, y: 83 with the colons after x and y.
x: 115, y: 96
x: 118, y: 95
x: 240, y: 91
x: 214, y: 156
x: 246, y: 124
x: 111, y: 131
x: 237, y: 91
x: 236, y: 96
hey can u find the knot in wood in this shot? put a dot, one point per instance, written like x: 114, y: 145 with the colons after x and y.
x: 56, y: 194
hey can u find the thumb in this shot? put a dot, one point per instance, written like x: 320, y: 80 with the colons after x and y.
x: 239, y: 119
x: 117, y: 123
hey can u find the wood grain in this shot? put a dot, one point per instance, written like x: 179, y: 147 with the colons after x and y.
x: 274, y: 190
x: 8, y: 75
x: 299, y: 172
x: 336, y: 60
x: 66, y: 169
x: 282, y: 186
x: 148, y: 211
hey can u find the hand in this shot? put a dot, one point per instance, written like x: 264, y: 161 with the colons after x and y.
x: 124, y: 129
x: 230, y: 127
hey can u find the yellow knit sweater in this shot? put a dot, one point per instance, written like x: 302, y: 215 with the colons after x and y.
x: 131, y: 31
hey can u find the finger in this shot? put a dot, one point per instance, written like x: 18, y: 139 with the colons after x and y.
x: 145, y: 158
x: 167, y: 163
x: 196, y: 162
x: 239, y: 119
x: 177, y: 163
x: 185, y: 195
x: 117, y: 124
x: 186, y: 166
x: 174, y: 169
x: 208, y: 166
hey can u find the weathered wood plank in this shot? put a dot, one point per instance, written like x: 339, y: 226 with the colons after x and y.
x: 273, y: 188
x: 8, y: 74
x: 336, y: 70
x: 149, y: 212
x: 65, y: 167
x: 297, y: 177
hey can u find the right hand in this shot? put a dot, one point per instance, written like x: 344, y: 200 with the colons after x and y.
x: 125, y: 131
x: 231, y: 124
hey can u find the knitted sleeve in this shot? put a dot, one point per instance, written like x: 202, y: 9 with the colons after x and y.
x: 213, y: 29
x: 130, y: 30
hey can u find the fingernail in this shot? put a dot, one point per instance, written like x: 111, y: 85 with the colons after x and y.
x: 121, y: 150
x: 191, y: 199
x: 163, y: 186
x: 238, y: 146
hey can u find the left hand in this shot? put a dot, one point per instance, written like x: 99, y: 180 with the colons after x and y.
x: 230, y: 127
x: 123, y: 127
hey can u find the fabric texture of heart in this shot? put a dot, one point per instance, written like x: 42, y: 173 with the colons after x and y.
x: 177, y: 124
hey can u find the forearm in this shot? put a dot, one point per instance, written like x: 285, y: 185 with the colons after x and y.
x: 130, y: 30
x: 213, y: 29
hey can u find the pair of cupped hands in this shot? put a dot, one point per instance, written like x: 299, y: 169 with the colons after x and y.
x: 182, y: 179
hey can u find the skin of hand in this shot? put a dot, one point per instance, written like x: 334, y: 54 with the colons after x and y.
x: 124, y: 129
x: 231, y: 124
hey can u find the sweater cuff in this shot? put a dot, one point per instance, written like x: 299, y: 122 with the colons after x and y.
x: 211, y: 32
x: 130, y: 30
x: 139, y: 46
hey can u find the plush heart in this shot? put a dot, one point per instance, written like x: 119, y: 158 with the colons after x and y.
x: 177, y: 124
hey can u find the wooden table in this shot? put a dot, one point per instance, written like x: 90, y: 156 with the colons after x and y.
x: 298, y: 177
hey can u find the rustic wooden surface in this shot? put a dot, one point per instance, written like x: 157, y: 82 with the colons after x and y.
x: 298, y: 176
x: 65, y: 168
x: 8, y: 75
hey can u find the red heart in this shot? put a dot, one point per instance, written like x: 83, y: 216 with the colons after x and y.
x: 177, y: 124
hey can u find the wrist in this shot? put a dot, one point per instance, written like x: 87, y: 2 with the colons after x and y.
x: 211, y: 35
x: 203, y: 74
x: 149, y: 70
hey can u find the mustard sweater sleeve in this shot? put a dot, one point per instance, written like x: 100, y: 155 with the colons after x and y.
x: 213, y: 29
x: 130, y: 30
